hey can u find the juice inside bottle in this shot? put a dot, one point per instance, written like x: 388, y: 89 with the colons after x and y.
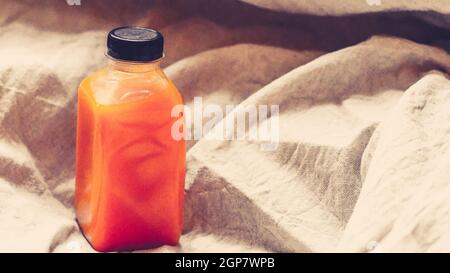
x: 129, y: 168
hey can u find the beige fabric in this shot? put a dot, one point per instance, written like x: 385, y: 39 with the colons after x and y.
x: 324, y: 7
x: 364, y: 107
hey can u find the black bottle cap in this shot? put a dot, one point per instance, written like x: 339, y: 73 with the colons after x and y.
x: 135, y: 44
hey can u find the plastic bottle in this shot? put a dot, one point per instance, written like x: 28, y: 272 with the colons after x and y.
x: 129, y: 169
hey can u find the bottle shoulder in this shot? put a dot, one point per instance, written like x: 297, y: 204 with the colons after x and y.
x: 111, y: 86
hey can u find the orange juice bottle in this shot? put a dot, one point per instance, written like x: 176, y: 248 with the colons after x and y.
x: 129, y: 167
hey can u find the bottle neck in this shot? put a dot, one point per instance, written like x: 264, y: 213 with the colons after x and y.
x: 134, y: 67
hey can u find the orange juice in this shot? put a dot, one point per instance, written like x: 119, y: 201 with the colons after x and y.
x: 129, y: 168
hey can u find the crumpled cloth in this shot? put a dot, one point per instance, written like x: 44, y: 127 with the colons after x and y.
x: 364, y: 94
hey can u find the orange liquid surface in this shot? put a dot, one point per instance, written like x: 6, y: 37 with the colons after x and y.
x: 129, y: 169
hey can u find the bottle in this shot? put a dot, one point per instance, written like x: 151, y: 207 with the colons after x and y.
x: 129, y: 168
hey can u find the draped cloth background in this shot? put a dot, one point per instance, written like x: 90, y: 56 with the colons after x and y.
x: 364, y: 95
